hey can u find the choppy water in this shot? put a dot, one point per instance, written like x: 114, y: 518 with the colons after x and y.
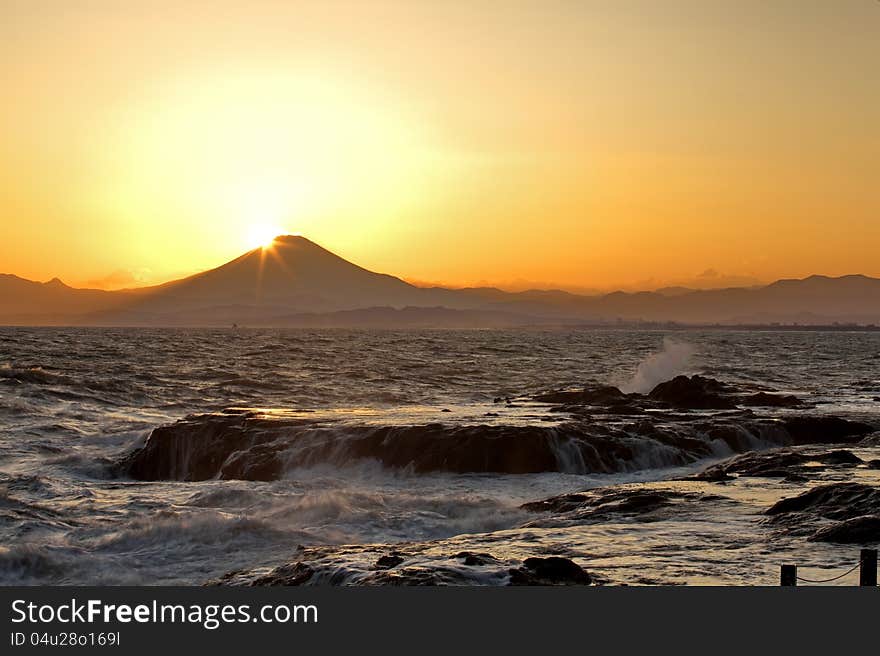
x: 72, y: 401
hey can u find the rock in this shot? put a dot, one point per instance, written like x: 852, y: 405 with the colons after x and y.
x: 553, y: 570
x: 778, y: 463
x: 695, y: 393
x: 858, y: 530
x: 874, y: 464
x: 472, y: 559
x: 840, y: 457
x: 769, y: 464
x: 603, y: 395
x: 837, y: 501
x: 821, y: 429
x: 246, y: 447
x: 561, y: 503
x: 763, y: 399
x: 602, y: 504
x: 290, y: 574
x: 388, y: 561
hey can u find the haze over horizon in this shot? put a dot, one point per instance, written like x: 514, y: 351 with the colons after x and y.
x: 710, y: 279
x: 582, y: 146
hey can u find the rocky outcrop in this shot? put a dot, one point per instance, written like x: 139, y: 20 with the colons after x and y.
x: 603, y: 431
x: 836, y: 501
x: 603, y: 395
x: 824, y: 429
x: 778, y: 463
x: 612, y: 504
x: 858, y: 530
x: 694, y: 393
x: 765, y: 400
x: 553, y: 570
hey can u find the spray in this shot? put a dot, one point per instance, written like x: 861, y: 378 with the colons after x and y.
x: 671, y: 361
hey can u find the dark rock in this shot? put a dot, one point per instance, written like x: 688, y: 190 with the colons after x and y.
x: 769, y: 464
x: 874, y: 464
x: 841, y: 457
x: 421, y: 576
x: 837, y: 501
x: 290, y: 574
x: 562, y: 503
x: 388, y: 561
x: 763, y: 399
x: 603, y: 503
x: 603, y: 395
x: 472, y: 559
x: 858, y: 530
x: 553, y: 570
x: 695, y: 393
x: 821, y: 429
x: 622, y: 409
x: 258, y: 448
x: 249, y: 446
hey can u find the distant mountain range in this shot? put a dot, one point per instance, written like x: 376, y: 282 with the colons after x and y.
x: 295, y: 282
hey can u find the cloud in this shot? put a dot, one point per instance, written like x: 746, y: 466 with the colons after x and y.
x: 120, y: 279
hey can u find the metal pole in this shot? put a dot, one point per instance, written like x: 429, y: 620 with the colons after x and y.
x: 788, y: 575
x: 868, y: 567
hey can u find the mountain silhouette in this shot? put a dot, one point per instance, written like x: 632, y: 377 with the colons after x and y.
x: 292, y: 272
x: 298, y: 282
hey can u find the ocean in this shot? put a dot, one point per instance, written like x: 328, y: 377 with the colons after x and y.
x: 427, y: 448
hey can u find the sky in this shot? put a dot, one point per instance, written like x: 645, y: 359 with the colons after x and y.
x: 559, y: 143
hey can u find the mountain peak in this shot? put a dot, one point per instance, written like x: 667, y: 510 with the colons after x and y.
x: 56, y: 282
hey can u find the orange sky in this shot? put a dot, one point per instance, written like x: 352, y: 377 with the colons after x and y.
x: 564, y: 143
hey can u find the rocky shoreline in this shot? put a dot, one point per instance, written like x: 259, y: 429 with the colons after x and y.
x: 781, y: 473
x: 592, y: 430
x: 831, y: 496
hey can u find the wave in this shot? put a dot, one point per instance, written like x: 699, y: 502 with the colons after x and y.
x: 34, y: 375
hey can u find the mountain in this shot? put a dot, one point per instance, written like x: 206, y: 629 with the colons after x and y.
x: 28, y: 302
x: 297, y: 282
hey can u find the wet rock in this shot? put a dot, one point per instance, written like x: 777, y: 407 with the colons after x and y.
x: 602, y: 504
x: 198, y: 448
x: 602, y: 396
x: 693, y: 393
x: 249, y: 446
x: 858, y: 530
x: 257, y: 448
x: 420, y: 576
x: 769, y: 464
x: 874, y: 464
x: 388, y: 561
x: 840, y: 457
x: 763, y: 399
x: 290, y: 574
x: 622, y: 409
x: 779, y: 463
x: 838, y: 501
x: 820, y: 429
x: 553, y: 570
x: 472, y: 559
x: 558, y: 504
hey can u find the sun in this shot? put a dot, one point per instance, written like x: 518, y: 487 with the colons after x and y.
x: 261, y: 235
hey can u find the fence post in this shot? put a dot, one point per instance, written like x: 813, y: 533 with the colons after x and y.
x: 788, y: 575
x: 868, y: 567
